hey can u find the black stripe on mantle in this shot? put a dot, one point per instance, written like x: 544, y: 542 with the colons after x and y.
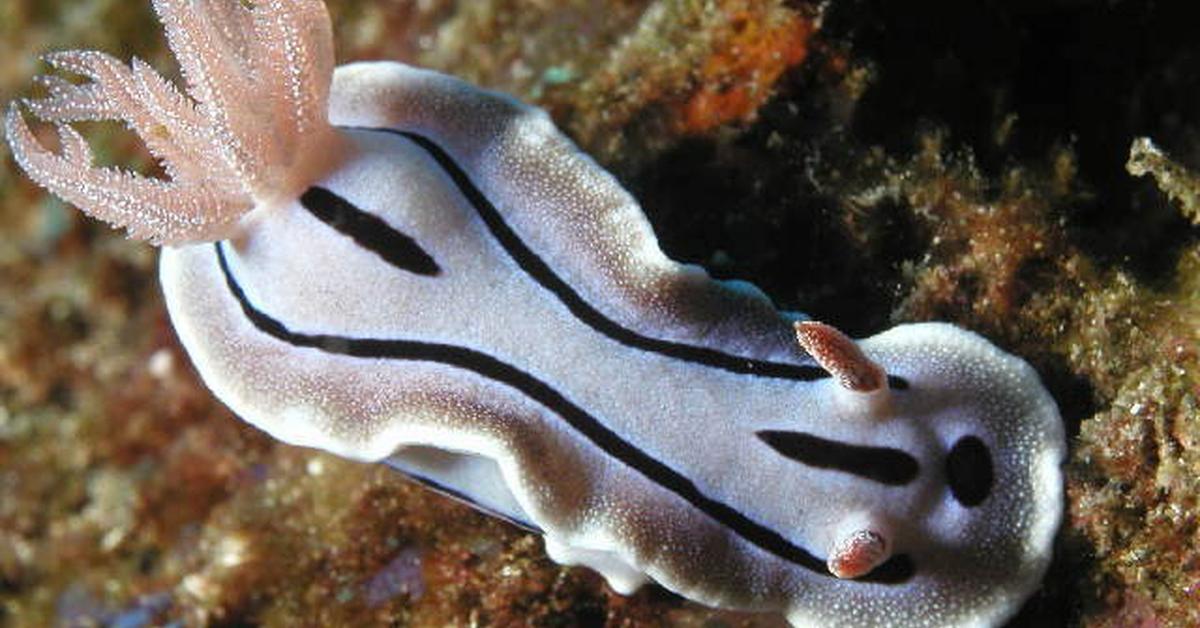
x: 540, y: 271
x: 897, y: 569
x: 886, y: 465
x: 369, y: 232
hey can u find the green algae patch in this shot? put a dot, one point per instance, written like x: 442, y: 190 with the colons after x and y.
x: 1177, y: 182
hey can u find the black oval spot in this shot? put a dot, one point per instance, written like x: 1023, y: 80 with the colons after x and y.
x: 969, y: 471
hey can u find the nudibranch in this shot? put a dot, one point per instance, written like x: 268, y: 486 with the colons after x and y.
x: 392, y: 265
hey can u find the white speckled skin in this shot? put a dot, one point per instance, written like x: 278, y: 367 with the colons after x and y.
x: 974, y: 565
x: 640, y: 462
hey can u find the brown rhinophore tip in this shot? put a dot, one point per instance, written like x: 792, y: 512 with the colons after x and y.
x: 839, y: 354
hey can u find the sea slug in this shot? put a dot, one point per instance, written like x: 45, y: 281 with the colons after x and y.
x: 393, y: 265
